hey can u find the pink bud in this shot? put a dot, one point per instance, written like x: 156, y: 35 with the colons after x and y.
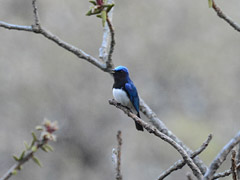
x: 99, y: 2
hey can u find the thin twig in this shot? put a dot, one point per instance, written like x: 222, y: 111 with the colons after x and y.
x: 47, y: 134
x: 222, y: 174
x: 112, y: 44
x: 35, y: 13
x: 18, y: 165
x: 225, y: 173
x: 118, y: 168
x: 221, y: 157
x: 233, y: 167
x: 156, y: 132
x: 78, y: 52
x: 225, y: 17
x: 238, y: 160
x: 189, y: 176
x: 103, y: 50
x: 15, y: 27
x: 180, y: 163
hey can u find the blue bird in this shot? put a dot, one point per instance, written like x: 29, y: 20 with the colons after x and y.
x: 125, y: 92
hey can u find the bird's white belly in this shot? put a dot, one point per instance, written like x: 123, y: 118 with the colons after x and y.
x: 121, y: 96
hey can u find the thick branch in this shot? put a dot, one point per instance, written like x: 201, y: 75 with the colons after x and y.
x: 225, y: 17
x: 221, y: 157
x: 180, y: 163
x: 156, y: 132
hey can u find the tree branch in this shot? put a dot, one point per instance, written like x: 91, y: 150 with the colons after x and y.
x: 148, y: 112
x: 156, y: 132
x: 116, y: 156
x: 221, y: 157
x: 18, y: 165
x: 180, y: 163
x: 234, y: 165
x: 103, y: 50
x: 118, y: 169
x: 225, y: 17
x: 222, y: 174
x: 36, y: 28
x: 35, y: 13
x: 225, y: 173
x: 238, y: 160
x: 47, y: 130
x: 15, y: 27
x: 112, y: 44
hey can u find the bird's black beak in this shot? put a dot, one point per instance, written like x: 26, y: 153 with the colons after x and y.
x: 112, y: 71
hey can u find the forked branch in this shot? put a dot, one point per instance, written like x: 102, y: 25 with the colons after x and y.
x: 180, y: 163
x: 221, y: 157
x: 156, y: 132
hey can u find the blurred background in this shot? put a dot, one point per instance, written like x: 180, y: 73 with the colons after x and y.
x: 182, y: 57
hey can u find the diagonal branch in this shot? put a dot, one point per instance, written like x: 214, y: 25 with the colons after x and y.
x: 225, y: 17
x: 225, y: 173
x: 180, y: 163
x: 222, y: 174
x: 78, y: 52
x: 156, y: 132
x: 48, y: 128
x: 19, y: 164
x: 148, y: 112
x: 221, y: 157
x: 36, y: 28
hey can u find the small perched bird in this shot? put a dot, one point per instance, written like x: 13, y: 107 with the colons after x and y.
x: 125, y: 92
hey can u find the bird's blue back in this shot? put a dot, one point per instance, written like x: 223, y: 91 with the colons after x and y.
x: 132, y: 93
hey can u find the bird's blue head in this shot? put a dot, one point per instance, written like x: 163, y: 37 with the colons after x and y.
x: 120, y: 72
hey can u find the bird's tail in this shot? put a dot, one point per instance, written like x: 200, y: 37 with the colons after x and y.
x: 138, y: 126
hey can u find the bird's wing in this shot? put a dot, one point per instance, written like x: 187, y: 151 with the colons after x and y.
x: 133, y: 95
